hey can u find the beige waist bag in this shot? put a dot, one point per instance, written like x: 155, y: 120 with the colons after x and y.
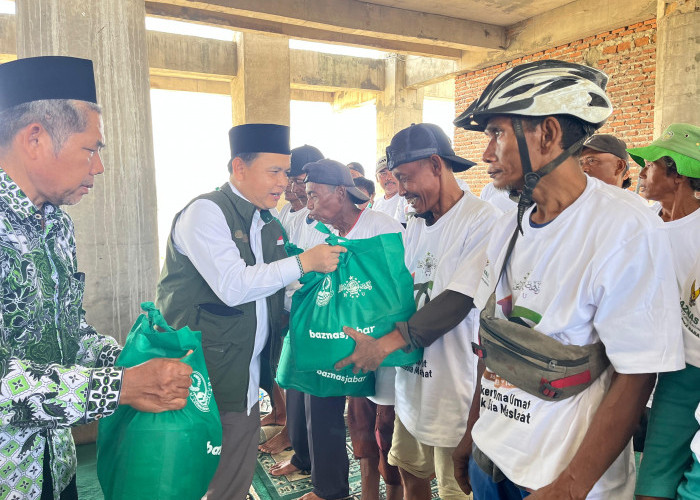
x: 532, y: 361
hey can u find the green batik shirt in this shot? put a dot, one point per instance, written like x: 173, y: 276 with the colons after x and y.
x: 56, y: 369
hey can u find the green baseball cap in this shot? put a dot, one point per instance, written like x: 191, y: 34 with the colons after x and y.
x: 680, y: 141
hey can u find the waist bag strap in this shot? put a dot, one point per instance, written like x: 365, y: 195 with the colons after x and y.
x: 533, y: 361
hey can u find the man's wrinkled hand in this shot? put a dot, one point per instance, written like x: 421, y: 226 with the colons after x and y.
x: 158, y: 385
x: 460, y: 460
x: 366, y: 357
x: 321, y: 258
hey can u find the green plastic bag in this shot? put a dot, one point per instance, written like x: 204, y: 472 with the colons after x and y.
x: 169, y: 455
x: 322, y: 383
x: 370, y: 291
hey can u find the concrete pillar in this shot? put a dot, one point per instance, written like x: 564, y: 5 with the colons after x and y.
x: 116, y: 224
x: 261, y: 91
x: 397, y: 106
x: 677, y: 61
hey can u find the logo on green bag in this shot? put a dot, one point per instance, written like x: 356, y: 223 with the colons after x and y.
x: 324, y: 296
x: 354, y: 288
x: 200, y: 391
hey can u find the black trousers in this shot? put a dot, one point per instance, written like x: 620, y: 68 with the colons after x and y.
x: 296, y: 427
x: 71, y: 491
x: 330, y: 466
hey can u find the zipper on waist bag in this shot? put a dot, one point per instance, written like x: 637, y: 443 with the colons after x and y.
x: 517, y: 348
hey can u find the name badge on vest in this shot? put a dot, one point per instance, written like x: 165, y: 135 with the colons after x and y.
x: 238, y: 234
x: 280, y: 241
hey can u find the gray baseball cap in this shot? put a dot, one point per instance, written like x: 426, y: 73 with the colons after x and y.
x: 606, y: 143
x: 333, y: 173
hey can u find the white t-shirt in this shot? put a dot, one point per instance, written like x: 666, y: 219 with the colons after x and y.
x: 599, y: 271
x: 433, y: 396
x: 690, y: 303
x: 387, y: 206
x: 498, y: 198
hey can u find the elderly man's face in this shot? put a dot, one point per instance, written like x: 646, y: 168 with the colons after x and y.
x: 263, y: 180
x: 64, y: 178
x: 604, y: 166
x: 502, y: 154
x: 388, y: 182
x: 324, y: 202
x: 419, y: 183
x: 654, y: 183
x: 295, y: 192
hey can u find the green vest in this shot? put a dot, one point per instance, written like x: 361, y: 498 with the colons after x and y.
x: 228, y: 333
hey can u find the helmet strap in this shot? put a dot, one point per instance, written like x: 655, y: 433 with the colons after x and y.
x: 531, y: 178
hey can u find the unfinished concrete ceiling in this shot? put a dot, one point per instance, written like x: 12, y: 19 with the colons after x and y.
x: 498, y: 12
x: 474, y: 32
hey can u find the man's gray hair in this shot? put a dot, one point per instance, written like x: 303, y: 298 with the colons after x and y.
x: 60, y: 117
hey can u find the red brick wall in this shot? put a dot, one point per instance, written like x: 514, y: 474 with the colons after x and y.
x: 627, y: 55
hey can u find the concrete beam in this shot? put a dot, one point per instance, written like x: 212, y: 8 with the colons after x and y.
x: 310, y: 95
x: 444, y: 90
x: 205, y: 86
x: 347, y: 100
x: 570, y: 22
x: 194, y: 64
x: 181, y: 55
x: 350, y: 22
x: 423, y: 71
x: 328, y: 72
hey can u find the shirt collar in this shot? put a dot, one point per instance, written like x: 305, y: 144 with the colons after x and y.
x: 15, y: 197
x: 257, y: 216
x: 19, y: 202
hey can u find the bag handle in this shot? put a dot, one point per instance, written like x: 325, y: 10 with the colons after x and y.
x: 289, y: 247
x: 334, y: 239
x: 155, y: 317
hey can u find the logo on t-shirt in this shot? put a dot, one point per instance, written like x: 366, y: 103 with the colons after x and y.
x: 694, y: 294
x: 428, y: 264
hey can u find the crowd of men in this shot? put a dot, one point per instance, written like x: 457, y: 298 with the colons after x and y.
x: 546, y: 309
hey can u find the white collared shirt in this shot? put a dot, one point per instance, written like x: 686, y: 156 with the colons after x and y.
x: 202, y: 235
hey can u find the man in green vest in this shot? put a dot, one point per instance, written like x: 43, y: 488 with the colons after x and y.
x: 224, y: 274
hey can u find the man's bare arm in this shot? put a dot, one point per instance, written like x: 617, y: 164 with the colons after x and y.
x: 610, y: 431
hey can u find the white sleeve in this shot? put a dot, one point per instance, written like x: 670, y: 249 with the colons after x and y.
x: 638, y: 317
x: 202, y: 235
x: 473, y: 256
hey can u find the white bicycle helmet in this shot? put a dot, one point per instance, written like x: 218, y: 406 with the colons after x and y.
x: 540, y: 89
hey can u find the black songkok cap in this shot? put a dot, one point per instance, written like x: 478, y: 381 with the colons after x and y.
x: 301, y: 156
x: 259, y: 138
x: 47, y: 77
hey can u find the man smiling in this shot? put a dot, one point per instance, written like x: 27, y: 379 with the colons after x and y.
x: 450, y: 231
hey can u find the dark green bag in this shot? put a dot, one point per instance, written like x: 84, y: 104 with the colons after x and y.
x: 322, y: 383
x: 169, y: 455
x: 370, y: 291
